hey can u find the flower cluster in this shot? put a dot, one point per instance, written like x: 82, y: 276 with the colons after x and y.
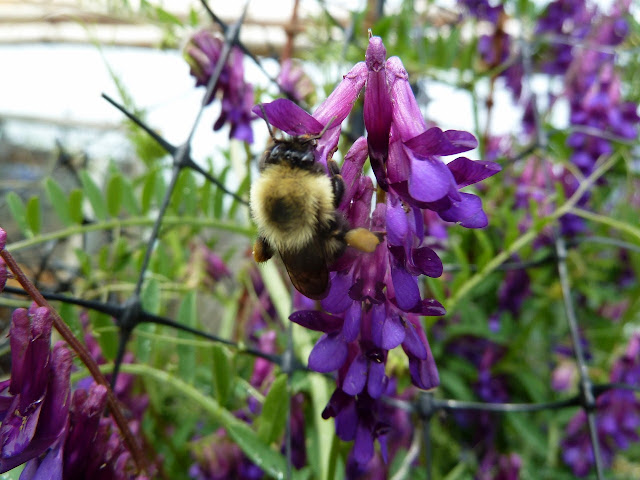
x: 497, y: 48
x: 58, y: 434
x: 617, y: 417
x: 202, y: 53
x: 374, y: 302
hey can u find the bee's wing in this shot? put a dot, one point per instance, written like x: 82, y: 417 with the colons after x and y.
x: 308, y: 270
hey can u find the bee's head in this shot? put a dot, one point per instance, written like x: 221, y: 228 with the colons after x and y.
x: 297, y: 152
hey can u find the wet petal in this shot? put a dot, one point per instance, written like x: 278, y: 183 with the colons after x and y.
x: 328, y: 354
x: 467, y: 172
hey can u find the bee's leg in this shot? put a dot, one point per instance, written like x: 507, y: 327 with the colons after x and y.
x: 262, y: 251
x: 336, y: 182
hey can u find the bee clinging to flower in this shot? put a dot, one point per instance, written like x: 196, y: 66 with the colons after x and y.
x: 294, y: 204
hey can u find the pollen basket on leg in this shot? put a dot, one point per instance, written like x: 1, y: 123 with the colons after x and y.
x: 289, y: 205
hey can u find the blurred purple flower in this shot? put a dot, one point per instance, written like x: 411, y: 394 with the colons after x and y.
x: 617, y: 417
x: 499, y: 467
x: 35, y: 401
x: 295, y: 83
x: 202, y: 53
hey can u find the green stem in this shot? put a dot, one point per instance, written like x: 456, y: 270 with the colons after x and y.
x: 131, y: 222
x: 612, y: 222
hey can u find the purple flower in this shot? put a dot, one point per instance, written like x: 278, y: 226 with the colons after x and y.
x: 374, y: 302
x: 499, y: 467
x: 35, y: 400
x: 483, y: 10
x: 617, y: 417
x: 4, y: 274
x: 295, y: 83
x: 202, y: 53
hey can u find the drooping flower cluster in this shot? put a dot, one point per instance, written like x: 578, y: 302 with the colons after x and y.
x: 598, y: 114
x: 57, y: 434
x: 497, y: 48
x: 617, y: 417
x: 202, y: 52
x: 374, y: 303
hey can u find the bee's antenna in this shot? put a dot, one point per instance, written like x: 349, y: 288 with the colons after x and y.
x: 264, y: 113
x: 326, y: 127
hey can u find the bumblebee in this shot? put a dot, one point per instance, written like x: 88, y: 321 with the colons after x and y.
x: 294, y: 204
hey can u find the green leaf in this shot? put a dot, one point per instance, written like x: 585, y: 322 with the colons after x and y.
x: 219, y: 194
x: 114, y: 195
x: 270, y: 461
x: 58, y: 199
x: 75, y: 206
x: 18, y: 212
x: 186, y: 353
x: 129, y: 200
x: 85, y: 262
x: 222, y: 373
x: 94, y: 195
x: 34, y: 215
x: 150, y: 296
x: 272, y: 420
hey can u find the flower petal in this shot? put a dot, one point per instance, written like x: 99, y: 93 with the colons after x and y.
x: 351, y: 327
x: 393, y: 333
x: 430, y: 178
x: 316, y: 320
x: 340, y: 102
x: 467, y: 172
x: 405, y: 286
x: 289, y: 117
x: 427, y: 261
x: 436, y: 142
x: 376, y: 381
x: 467, y: 213
x: 424, y: 373
x: 363, y: 445
x: 356, y: 377
x: 328, y: 354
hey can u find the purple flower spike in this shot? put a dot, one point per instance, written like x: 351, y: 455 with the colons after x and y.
x: 375, y: 301
x: 202, y: 52
x: 3, y: 239
x: 37, y: 415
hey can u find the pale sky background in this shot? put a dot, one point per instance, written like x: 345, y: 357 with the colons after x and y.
x: 63, y: 82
